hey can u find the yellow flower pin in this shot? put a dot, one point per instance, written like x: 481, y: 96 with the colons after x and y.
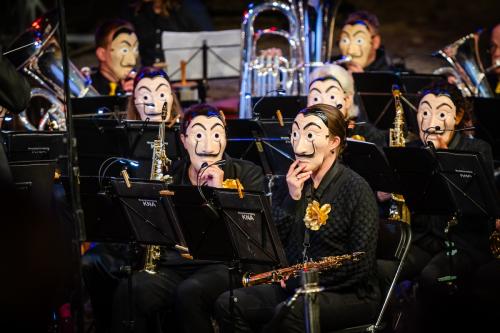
x: 316, y: 216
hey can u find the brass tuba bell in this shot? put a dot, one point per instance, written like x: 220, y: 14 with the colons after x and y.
x: 466, y: 66
x: 36, y: 53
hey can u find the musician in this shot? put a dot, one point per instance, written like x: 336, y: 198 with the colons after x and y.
x: 494, y: 50
x: 189, y: 288
x: 117, y: 52
x: 14, y: 96
x: 152, y: 89
x: 352, y: 295
x: 360, y: 38
x: 333, y: 85
x: 442, y: 111
x: 152, y: 17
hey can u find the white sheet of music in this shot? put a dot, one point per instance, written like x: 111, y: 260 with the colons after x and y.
x: 226, y: 44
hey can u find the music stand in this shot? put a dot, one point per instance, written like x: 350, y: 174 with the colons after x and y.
x: 443, y: 182
x: 100, y: 106
x: 369, y: 161
x: 266, y: 107
x: 486, y: 112
x: 241, y: 230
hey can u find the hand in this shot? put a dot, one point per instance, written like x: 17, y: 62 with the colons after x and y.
x: 295, y: 179
x: 383, y: 196
x: 353, y: 67
x: 212, y: 176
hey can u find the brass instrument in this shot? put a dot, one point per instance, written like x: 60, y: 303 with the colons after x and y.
x: 278, y: 275
x: 308, y: 46
x: 399, y: 210
x: 159, y: 166
x: 36, y: 53
x: 466, y: 66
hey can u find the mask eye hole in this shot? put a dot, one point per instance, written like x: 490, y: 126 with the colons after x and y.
x: 217, y: 136
x: 295, y: 135
x: 310, y: 136
x: 199, y: 136
x: 442, y: 115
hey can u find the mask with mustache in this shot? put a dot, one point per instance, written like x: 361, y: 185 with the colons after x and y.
x: 205, y: 140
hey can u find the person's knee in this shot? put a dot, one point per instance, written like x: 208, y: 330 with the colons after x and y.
x: 221, y: 306
x: 189, y: 293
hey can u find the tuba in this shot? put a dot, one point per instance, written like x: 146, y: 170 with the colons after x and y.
x: 263, y: 75
x: 36, y: 53
x: 466, y: 66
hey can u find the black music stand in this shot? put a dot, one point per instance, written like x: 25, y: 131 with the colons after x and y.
x: 370, y: 162
x: 375, y: 93
x: 447, y: 183
x: 99, y: 106
x: 266, y: 107
x: 218, y: 225
x: 443, y: 182
x: 487, y: 114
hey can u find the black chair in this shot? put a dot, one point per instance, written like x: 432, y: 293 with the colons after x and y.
x: 383, y: 261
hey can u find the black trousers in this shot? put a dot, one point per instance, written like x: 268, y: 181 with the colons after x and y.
x: 186, y: 292
x: 101, y: 272
x: 442, y: 306
x: 262, y: 308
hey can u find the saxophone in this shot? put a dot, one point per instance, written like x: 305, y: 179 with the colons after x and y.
x: 159, y: 166
x: 278, y: 275
x: 399, y: 210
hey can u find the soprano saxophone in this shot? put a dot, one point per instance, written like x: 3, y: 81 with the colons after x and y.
x: 278, y: 275
x: 399, y: 210
x: 159, y: 166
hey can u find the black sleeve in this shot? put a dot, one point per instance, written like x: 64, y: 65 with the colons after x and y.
x: 252, y: 177
x: 363, y: 237
x: 14, y: 88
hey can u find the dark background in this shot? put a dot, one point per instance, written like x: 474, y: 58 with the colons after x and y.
x: 411, y: 30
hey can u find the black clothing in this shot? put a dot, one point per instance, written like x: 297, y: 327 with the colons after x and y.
x: 14, y: 96
x: 371, y: 134
x: 188, y: 287
x: 102, y: 84
x: 189, y: 16
x: 353, y: 290
x: 494, y: 83
x: 14, y: 88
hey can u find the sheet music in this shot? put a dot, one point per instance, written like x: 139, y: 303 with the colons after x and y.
x: 225, y: 44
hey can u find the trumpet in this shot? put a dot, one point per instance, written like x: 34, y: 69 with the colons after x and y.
x: 278, y: 275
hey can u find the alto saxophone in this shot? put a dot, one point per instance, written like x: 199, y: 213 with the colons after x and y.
x: 399, y: 210
x: 278, y: 275
x: 159, y: 166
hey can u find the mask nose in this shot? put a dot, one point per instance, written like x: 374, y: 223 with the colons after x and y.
x: 302, y: 147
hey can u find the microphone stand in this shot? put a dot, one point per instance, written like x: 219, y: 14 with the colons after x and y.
x: 73, y: 170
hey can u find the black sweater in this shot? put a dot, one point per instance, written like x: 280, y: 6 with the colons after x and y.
x: 352, y: 226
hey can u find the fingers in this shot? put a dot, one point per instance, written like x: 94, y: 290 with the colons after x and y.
x: 292, y: 167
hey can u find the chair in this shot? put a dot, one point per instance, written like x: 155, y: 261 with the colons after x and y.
x: 399, y: 257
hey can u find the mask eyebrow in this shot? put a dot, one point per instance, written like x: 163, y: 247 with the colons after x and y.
x: 332, y: 87
x: 444, y: 104
x: 199, y: 124
x: 215, y: 125
x: 426, y: 103
x: 360, y: 32
x: 315, y: 89
x: 311, y: 124
x: 125, y: 42
x: 162, y: 85
x: 144, y: 87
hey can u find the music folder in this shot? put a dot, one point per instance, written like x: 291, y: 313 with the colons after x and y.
x: 444, y: 182
x: 219, y: 225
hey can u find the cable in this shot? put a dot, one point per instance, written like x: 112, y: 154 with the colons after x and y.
x: 131, y: 162
x: 280, y: 92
